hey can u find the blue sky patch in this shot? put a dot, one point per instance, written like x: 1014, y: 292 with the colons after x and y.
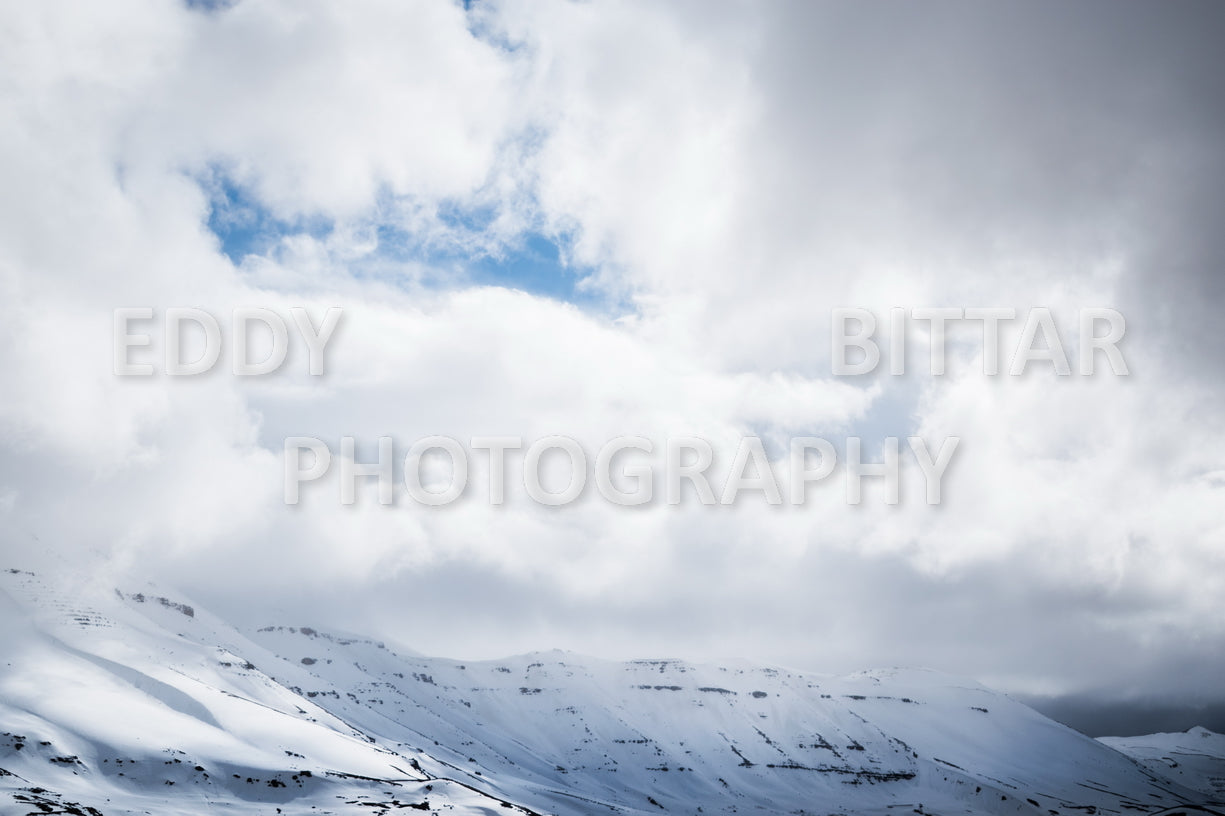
x: 246, y: 227
x: 534, y: 265
x: 533, y: 262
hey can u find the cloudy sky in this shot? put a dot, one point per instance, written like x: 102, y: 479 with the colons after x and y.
x: 600, y: 219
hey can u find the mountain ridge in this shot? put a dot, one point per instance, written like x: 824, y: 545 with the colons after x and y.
x: 133, y: 702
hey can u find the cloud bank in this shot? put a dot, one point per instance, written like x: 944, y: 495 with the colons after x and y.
x: 709, y: 182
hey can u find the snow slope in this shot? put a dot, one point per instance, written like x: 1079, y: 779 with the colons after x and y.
x: 106, y: 708
x: 131, y: 702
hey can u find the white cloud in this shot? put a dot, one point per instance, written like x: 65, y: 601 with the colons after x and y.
x: 730, y: 174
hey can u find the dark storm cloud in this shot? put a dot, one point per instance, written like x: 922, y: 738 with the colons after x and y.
x: 964, y: 129
x: 1100, y: 715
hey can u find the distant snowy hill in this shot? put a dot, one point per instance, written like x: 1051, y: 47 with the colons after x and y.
x: 135, y: 702
x: 1195, y: 758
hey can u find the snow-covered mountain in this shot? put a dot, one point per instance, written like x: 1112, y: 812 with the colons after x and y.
x: 134, y: 702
